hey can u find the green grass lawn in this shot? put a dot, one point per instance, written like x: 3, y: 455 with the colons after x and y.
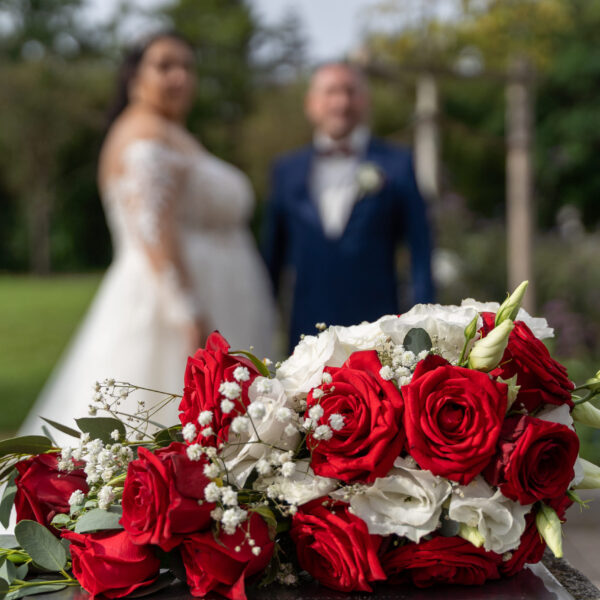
x: 37, y: 318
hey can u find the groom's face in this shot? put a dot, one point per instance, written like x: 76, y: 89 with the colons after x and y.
x: 337, y: 100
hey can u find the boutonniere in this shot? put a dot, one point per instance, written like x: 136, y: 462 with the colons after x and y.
x: 370, y: 178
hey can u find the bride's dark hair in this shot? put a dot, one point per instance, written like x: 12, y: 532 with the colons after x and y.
x: 128, y: 69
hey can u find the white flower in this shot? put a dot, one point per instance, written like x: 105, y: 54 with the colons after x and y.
x: 288, y: 468
x: 272, y: 430
x: 241, y: 374
x: 115, y: 435
x: 211, y: 470
x: 301, y: 487
x: 231, y: 518
x: 386, y: 372
x: 444, y: 324
x: 230, y: 389
x: 263, y: 467
x: 326, y: 378
x: 205, y: 417
x: 212, y: 492
x: 316, y: 412
x: 229, y: 496
x: 323, y: 432
x: 227, y: 406
x: 257, y: 410
x: 336, y: 421
x: 317, y: 393
x: 369, y: 178
x: 500, y: 521
x: 240, y: 425
x: 263, y: 385
x: 216, y: 514
x: 106, y: 497
x: 189, y: 432
x: 557, y: 414
x: 539, y: 326
x: 408, y: 502
x: 77, y: 498
x: 256, y: 550
x: 290, y: 430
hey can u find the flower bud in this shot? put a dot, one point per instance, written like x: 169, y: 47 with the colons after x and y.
x: 593, y: 383
x: 471, y: 534
x: 591, y: 476
x: 587, y: 414
x: 471, y: 328
x: 549, y: 526
x: 510, y: 307
x: 488, y: 351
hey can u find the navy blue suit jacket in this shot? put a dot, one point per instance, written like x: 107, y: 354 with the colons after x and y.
x: 353, y: 278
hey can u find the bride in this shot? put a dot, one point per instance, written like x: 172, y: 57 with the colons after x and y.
x: 184, y: 259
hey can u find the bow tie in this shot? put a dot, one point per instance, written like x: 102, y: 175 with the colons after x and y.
x: 338, y: 150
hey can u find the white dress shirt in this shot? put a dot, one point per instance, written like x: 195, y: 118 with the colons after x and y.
x: 333, y: 180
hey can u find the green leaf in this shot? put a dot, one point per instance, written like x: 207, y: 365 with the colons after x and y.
x: 31, y: 590
x: 549, y: 526
x: 8, y: 499
x: 64, y: 428
x: 165, y: 436
x: 60, y: 520
x: 45, y: 550
x: 164, y: 580
x: 449, y: 528
x: 267, y: 514
x: 27, y: 444
x: 99, y: 519
x: 3, y: 588
x: 22, y: 571
x: 417, y: 340
x: 259, y: 364
x: 101, y: 427
x: 8, y: 571
x: 8, y: 541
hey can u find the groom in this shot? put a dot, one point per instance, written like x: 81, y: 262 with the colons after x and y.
x: 338, y: 210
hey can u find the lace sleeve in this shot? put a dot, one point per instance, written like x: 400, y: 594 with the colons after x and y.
x: 153, y: 177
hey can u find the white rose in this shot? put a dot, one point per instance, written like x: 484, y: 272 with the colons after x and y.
x: 444, y: 324
x: 302, y: 371
x: 408, y: 502
x: 500, y: 521
x: 538, y: 325
x: 241, y: 459
x: 300, y: 487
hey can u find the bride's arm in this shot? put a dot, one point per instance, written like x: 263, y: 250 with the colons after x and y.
x: 153, y: 176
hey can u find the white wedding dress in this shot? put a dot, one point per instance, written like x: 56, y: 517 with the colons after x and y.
x: 134, y: 331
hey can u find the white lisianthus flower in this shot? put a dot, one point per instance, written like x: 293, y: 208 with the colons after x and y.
x: 241, y: 459
x: 408, y: 502
x: 444, y: 324
x: 538, y: 325
x: 499, y: 520
x: 300, y: 487
x: 557, y: 414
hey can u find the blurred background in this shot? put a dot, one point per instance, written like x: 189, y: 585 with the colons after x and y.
x: 499, y: 98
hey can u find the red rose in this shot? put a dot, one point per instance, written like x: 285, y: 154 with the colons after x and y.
x: 542, y: 379
x: 43, y: 491
x: 212, y: 563
x: 109, y: 563
x: 452, y: 418
x: 440, y: 560
x: 530, y: 550
x: 335, y: 546
x: 534, y: 460
x: 160, y: 497
x: 204, y: 374
x: 371, y: 437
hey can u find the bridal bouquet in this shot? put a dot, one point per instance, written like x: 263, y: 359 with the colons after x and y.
x: 435, y: 446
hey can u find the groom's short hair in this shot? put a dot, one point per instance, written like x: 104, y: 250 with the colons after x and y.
x: 355, y: 69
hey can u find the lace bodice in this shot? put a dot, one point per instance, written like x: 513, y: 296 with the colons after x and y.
x: 161, y: 198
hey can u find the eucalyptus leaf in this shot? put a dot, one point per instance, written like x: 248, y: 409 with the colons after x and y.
x: 63, y: 428
x: 3, y: 588
x: 60, y: 520
x: 8, y: 499
x: 27, y: 444
x: 101, y: 427
x: 164, y: 580
x: 31, y: 590
x: 449, y: 528
x: 267, y: 514
x: 99, y: 519
x: 8, y: 541
x: 22, y: 571
x: 259, y: 364
x: 45, y: 550
x: 165, y: 436
x: 8, y: 571
x: 416, y: 340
